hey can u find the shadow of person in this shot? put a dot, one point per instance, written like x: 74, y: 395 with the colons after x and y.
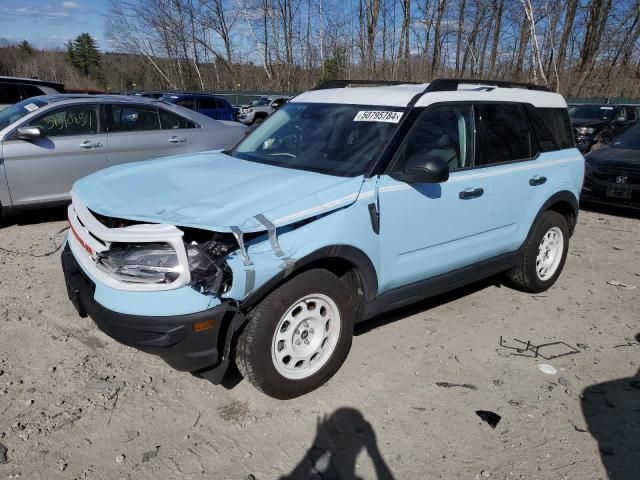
x: 339, y: 440
x: 612, y: 412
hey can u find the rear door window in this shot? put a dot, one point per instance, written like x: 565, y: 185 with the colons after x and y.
x: 169, y: 121
x: 206, y: 103
x: 133, y: 118
x: 506, y: 133
x: 72, y: 120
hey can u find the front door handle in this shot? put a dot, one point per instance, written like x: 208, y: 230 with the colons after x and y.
x: 90, y: 144
x: 175, y: 139
x: 471, y: 193
x: 537, y: 180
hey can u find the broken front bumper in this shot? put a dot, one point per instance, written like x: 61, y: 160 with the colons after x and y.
x: 188, y: 342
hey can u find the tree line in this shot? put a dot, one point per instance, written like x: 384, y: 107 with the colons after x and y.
x: 579, y: 48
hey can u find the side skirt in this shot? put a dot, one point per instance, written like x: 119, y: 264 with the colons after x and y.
x: 415, y: 292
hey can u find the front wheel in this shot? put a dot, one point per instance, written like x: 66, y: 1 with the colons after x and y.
x: 544, y: 254
x: 298, y: 336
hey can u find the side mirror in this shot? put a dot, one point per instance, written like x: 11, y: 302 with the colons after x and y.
x: 28, y: 133
x: 276, y: 105
x: 424, y: 169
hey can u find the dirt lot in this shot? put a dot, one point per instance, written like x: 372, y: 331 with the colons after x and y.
x: 75, y: 404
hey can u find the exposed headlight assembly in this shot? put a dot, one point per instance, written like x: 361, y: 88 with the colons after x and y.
x: 586, y: 130
x: 157, y: 263
x: 140, y: 263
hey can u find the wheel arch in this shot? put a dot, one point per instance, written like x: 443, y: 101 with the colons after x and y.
x: 338, y: 259
x: 565, y: 203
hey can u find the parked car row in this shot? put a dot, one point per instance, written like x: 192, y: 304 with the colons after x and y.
x: 598, y: 124
x: 48, y: 142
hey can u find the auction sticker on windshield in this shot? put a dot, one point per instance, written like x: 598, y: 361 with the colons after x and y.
x: 378, y: 116
x: 32, y: 107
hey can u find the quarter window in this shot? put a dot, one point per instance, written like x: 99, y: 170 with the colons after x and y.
x: 170, y: 121
x: 506, y: 134
x: 551, y: 127
x: 71, y: 120
x: 446, y: 132
x: 132, y: 118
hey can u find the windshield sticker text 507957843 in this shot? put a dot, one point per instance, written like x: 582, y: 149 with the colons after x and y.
x: 378, y: 116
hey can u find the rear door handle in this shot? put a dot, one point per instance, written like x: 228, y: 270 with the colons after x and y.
x: 90, y: 144
x: 471, y: 193
x: 177, y: 139
x: 537, y: 180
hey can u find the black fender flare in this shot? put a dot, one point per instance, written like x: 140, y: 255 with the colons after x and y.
x: 561, y: 197
x: 352, y: 255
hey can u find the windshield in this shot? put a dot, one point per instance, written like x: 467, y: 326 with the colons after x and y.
x: 591, y: 112
x: 16, y: 112
x: 261, y: 102
x: 341, y: 140
x: 628, y: 140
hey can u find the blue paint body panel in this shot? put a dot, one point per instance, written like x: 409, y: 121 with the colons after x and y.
x: 425, y: 229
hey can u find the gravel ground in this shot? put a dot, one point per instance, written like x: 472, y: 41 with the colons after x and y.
x: 75, y: 404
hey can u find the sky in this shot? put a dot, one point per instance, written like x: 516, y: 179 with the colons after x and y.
x: 51, y: 24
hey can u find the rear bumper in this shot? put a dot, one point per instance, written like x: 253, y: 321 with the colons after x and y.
x: 172, y: 338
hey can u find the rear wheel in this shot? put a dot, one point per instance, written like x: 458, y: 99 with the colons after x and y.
x: 544, y: 254
x: 298, y: 336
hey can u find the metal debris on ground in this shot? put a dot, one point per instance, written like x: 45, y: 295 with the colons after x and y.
x: 620, y: 285
x: 491, y: 418
x: 528, y: 349
x: 451, y: 385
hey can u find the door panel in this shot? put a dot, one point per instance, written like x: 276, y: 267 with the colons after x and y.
x: 430, y: 229
x: 43, y: 170
x: 135, y: 134
x: 427, y: 229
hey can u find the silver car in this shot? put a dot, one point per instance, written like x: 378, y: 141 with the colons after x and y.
x: 48, y: 142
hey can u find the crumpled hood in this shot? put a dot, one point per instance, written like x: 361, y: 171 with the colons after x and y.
x: 213, y: 191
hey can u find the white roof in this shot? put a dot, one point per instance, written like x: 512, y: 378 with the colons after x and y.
x: 401, y: 95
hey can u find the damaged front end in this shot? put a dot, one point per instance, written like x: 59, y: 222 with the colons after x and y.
x: 136, y: 256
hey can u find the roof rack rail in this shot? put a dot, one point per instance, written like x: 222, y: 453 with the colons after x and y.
x: 451, y: 84
x: 347, y: 83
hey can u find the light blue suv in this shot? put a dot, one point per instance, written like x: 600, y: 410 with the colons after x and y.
x: 347, y: 202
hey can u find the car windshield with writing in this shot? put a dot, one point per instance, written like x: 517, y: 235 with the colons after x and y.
x: 333, y: 139
x: 591, y: 112
x: 19, y: 110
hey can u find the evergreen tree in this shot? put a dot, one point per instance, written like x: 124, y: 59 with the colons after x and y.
x: 25, y: 48
x: 83, y: 54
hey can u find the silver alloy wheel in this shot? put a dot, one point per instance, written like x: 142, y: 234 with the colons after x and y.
x: 550, y: 253
x: 306, y: 336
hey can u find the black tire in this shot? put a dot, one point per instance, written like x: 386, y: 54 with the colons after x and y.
x: 253, y: 350
x: 524, y: 276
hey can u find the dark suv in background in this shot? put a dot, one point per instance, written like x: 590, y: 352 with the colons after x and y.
x: 600, y: 123
x: 213, y: 107
x: 14, y: 90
